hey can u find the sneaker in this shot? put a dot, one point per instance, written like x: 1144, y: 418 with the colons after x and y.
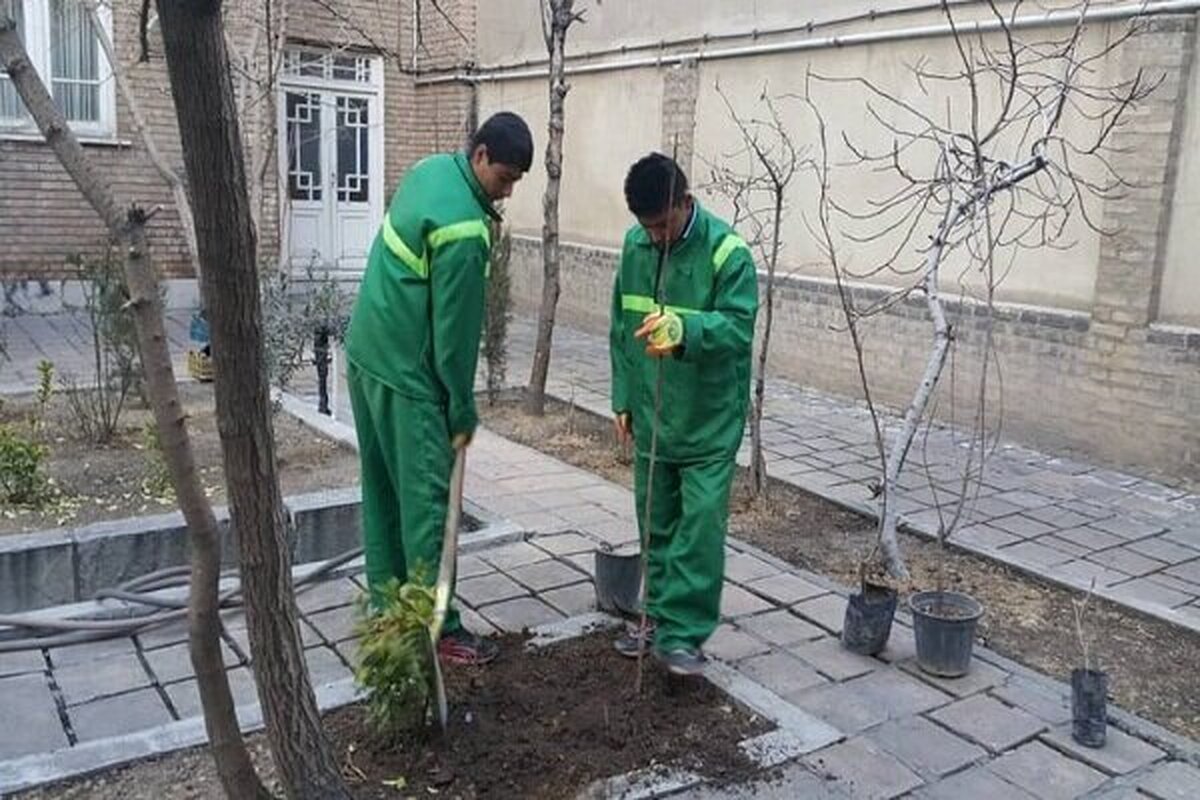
x: 463, y: 648
x: 632, y: 641
x: 685, y: 661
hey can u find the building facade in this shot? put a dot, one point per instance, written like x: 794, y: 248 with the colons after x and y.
x: 1098, y: 343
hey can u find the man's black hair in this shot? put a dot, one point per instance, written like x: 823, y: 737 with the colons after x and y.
x: 507, y: 139
x: 649, y: 182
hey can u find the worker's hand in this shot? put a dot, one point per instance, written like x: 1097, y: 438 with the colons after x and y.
x: 460, y: 441
x: 624, y: 426
x: 663, y: 332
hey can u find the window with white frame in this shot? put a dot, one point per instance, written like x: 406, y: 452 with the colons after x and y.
x: 65, y: 49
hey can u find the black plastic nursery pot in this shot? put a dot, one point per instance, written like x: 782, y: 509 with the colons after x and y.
x: 944, y: 628
x: 868, y: 621
x: 1089, y: 714
x: 618, y: 581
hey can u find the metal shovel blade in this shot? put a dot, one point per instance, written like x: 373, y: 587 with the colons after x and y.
x: 441, y: 596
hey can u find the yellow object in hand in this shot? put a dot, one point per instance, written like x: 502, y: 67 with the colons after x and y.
x: 668, y: 332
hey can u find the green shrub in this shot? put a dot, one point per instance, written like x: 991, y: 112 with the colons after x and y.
x: 23, y: 479
x: 395, y: 658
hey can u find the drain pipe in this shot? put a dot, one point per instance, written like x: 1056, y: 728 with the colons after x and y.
x: 990, y: 25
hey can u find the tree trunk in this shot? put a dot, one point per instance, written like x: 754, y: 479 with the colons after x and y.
x: 888, y: 518
x: 202, y: 87
x: 560, y: 18
x: 128, y: 229
x: 758, y: 461
x: 178, y: 193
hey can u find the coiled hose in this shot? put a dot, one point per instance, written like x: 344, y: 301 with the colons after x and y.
x: 38, y: 632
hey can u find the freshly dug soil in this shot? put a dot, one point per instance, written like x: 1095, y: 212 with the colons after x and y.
x: 118, y: 479
x: 544, y: 724
x: 1025, y: 619
x: 532, y: 725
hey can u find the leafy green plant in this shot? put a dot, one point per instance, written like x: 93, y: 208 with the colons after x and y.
x: 395, y: 657
x: 97, y: 403
x: 23, y: 480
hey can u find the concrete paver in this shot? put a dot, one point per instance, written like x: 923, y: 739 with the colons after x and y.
x: 1174, y: 781
x: 780, y: 672
x: 86, y: 681
x: 1045, y: 773
x: 780, y: 627
x: 1120, y: 755
x: 929, y: 750
x: 492, y: 588
x: 574, y: 599
x: 519, y: 613
x: 27, y: 698
x: 119, y: 714
x: 863, y: 770
x: 989, y: 722
x: 828, y: 657
x: 545, y: 575
x: 976, y: 784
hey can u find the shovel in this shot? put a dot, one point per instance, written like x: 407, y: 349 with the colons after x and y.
x: 441, y: 596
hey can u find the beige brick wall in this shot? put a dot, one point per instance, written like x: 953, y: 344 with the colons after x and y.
x: 1107, y: 383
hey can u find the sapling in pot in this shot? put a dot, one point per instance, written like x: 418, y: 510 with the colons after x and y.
x: 1089, y: 687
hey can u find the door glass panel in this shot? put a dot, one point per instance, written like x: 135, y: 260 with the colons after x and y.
x: 353, y: 130
x: 304, y: 145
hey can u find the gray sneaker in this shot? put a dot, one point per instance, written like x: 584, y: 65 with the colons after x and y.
x: 685, y: 661
x: 634, y: 641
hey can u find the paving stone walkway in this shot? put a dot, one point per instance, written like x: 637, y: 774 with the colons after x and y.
x: 1000, y: 732
x: 1056, y: 517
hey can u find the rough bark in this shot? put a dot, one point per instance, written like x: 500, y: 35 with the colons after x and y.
x: 557, y: 16
x: 198, y: 65
x: 179, y: 194
x: 127, y: 227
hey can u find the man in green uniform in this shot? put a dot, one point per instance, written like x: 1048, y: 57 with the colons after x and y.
x: 412, y: 348
x: 691, y: 310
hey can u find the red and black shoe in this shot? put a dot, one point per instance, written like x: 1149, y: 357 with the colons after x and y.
x: 463, y: 648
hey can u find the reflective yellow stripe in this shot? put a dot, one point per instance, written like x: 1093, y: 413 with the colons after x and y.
x: 460, y: 230
x: 642, y: 304
x: 401, y: 251
x: 730, y: 243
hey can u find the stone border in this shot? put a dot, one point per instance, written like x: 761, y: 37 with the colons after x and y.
x: 69, y: 565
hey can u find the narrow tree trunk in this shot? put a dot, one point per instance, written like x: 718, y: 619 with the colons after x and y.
x: 889, y: 518
x: 758, y: 461
x: 178, y: 193
x: 128, y: 229
x: 560, y: 16
x: 198, y: 65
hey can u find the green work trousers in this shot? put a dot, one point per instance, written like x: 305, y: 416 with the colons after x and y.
x: 685, y: 547
x: 406, y: 459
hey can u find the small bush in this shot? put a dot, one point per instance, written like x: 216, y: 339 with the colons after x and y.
x: 395, y: 658
x: 23, y: 480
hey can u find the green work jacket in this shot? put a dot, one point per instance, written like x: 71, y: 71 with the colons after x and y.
x: 417, y: 320
x: 711, y: 282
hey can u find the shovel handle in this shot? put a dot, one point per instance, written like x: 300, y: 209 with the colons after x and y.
x: 441, y: 603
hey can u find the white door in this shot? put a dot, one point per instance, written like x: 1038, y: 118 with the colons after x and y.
x: 331, y: 150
